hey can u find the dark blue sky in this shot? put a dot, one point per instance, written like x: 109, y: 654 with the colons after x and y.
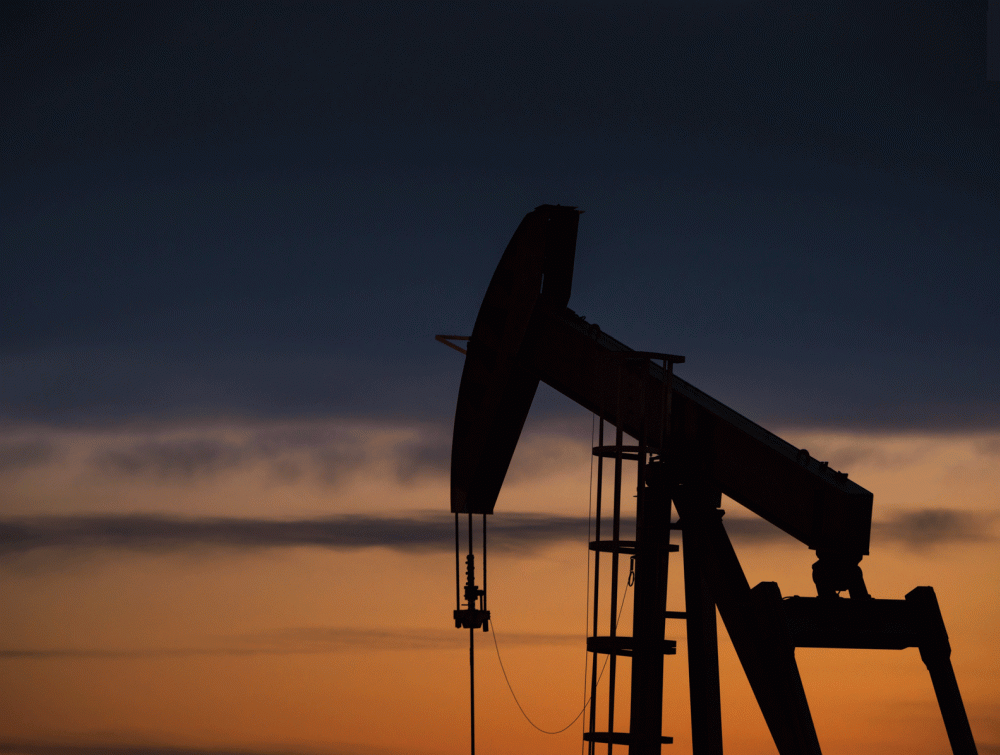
x: 235, y: 208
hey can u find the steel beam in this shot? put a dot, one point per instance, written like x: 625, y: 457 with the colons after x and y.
x: 709, y: 442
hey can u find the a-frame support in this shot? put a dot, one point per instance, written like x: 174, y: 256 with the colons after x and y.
x: 878, y: 624
x: 760, y: 642
x: 765, y: 630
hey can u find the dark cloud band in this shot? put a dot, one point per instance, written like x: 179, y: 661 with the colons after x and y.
x: 48, y: 748
x: 420, y: 532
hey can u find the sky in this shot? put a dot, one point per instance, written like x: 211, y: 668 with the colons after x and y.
x: 231, y: 231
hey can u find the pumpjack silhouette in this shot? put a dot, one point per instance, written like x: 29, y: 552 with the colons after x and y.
x: 689, y: 450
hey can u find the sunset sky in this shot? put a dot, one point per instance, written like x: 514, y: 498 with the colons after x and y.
x: 230, y: 233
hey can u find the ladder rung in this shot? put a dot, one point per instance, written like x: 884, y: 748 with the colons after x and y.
x: 622, y: 546
x: 617, y: 737
x: 610, y: 452
x: 622, y: 645
x: 629, y: 453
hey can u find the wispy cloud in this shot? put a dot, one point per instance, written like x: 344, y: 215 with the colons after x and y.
x: 180, y: 459
x: 136, y: 654
x: 296, y: 641
x: 421, y: 532
x: 932, y: 527
x: 429, y: 453
x: 989, y: 446
x: 41, y: 748
x: 24, y: 454
x: 328, y: 453
x: 14, y: 747
x: 164, y: 533
x: 339, y: 638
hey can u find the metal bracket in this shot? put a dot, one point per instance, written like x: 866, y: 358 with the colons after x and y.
x: 447, y: 341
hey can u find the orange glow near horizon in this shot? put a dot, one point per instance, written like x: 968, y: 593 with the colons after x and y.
x: 306, y: 649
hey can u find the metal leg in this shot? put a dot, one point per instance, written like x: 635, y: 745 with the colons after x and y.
x: 956, y: 721
x: 769, y: 662
x: 652, y: 536
x: 935, y: 651
x: 703, y: 653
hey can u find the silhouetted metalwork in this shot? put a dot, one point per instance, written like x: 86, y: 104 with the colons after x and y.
x: 690, y: 450
x: 475, y: 615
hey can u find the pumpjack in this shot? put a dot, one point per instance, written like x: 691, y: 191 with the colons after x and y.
x: 689, y: 450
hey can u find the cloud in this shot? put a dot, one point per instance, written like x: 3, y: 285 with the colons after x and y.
x: 298, y: 640
x: 989, y: 446
x: 324, y: 639
x: 40, y: 748
x: 916, y: 529
x: 330, y: 453
x: 180, y: 459
x: 932, y: 527
x: 850, y: 450
x: 421, y: 532
x: 143, y: 532
x: 23, y: 454
x: 138, y: 654
x: 15, y: 747
x: 427, y: 454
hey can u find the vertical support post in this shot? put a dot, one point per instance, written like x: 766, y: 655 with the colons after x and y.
x: 652, y: 538
x: 597, y: 591
x: 702, y: 643
x: 615, y: 535
x: 650, y: 558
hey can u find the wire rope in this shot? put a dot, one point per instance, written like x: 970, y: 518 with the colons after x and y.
x: 518, y: 702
